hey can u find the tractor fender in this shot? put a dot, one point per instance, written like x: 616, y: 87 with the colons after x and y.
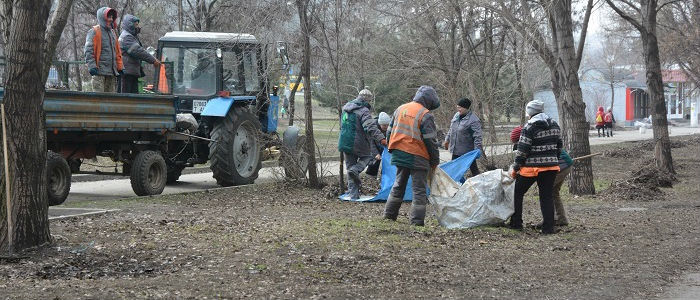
x: 219, y: 107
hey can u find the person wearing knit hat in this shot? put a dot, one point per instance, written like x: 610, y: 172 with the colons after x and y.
x: 534, y: 107
x: 565, y: 163
x: 464, y: 134
x: 382, y: 121
x: 537, y: 160
x: 356, y: 130
x: 365, y: 95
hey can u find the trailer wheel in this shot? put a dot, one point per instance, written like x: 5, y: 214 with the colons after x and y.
x: 174, y: 173
x: 58, y: 178
x: 148, y: 173
x: 235, y: 157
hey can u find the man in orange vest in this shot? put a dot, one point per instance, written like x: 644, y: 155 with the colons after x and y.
x: 414, y: 151
x: 102, y: 53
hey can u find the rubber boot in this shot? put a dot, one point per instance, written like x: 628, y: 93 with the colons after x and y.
x: 391, y: 209
x: 353, y: 189
x: 418, y: 215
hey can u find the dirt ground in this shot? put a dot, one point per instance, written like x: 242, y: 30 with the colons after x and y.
x: 284, y: 241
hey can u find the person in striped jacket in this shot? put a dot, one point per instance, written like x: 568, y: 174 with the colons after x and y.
x: 537, y: 160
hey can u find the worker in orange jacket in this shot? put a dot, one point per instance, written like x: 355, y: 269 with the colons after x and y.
x: 102, y: 53
x: 414, y: 151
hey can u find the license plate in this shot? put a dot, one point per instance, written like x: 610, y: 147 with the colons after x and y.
x: 198, y: 106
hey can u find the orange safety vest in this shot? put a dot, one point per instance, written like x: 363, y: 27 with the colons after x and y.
x: 405, y: 134
x: 97, y: 48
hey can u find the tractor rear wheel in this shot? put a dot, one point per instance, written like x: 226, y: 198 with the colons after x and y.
x: 236, y: 152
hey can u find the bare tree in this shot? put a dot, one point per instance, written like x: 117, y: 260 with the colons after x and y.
x: 642, y: 15
x: 331, y: 22
x: 307, y: 10
x: 609, y: 60
x: 562, y: 56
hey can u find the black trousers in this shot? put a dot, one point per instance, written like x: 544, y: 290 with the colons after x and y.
x: 474, y: 167
x: 545, y: 183
x: 129, y: 84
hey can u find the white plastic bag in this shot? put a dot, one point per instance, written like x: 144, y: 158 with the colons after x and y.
x: 485, y: 199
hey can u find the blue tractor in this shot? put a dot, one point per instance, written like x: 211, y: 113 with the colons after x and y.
x: 220, y: 79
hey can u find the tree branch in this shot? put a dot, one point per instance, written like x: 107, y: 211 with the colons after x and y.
x: 625, y: 16
x: 584, y: 30
x: 58, y: 21
x: 658, y: 9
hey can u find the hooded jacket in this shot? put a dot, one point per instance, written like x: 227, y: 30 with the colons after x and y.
x: 357, y: 127
x: 131, y: 46
x: 429, y: 99
x: 540, y: 143
x: 464, y: 134
x: 600, y: 116
x: 102, y: 49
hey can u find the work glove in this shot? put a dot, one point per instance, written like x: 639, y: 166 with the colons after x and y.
x: 378, y: 157
x: 93, y: 71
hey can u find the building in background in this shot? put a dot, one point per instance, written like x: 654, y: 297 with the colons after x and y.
x: 631, y: 100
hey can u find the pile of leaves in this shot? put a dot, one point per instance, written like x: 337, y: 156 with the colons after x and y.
x: 625, y: 152
x: 642, y: 184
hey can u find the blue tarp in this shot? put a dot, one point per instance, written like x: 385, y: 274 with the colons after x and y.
x: 455, y: 169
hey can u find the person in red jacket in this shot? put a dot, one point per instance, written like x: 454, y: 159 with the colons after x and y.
x: 609, y: 119
x: 599, y: 120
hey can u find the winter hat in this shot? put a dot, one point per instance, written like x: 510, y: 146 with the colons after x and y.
x: 534, y: 107
x: 365, y: 95
x: 515, y: 134
x: 384, y: 119
x: 465, y: 102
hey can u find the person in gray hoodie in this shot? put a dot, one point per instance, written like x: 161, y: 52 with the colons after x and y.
x: 131, y: 46
x: 102, y: 53
x: 465, y: 133
x: 357, y: 127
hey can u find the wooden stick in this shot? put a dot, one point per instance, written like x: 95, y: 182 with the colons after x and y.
x: 10, y: 225
x: 587, y: 156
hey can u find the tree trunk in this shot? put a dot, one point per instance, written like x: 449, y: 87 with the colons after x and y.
x: 292, y: 94
x: 304, y: 22
x: 567, y: 89
x: 612, y: 95
x: 575, y: 136
x: 662, y: 148
x: 75, y: 53
x: 341, y: 175
x: 26, y: 136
